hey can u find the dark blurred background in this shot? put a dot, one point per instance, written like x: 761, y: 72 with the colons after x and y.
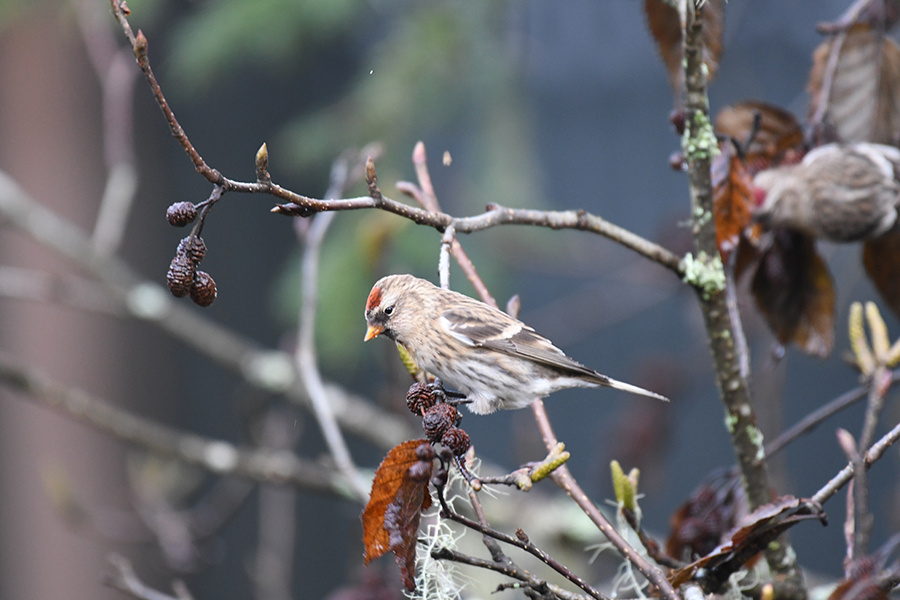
x: 540, y: 104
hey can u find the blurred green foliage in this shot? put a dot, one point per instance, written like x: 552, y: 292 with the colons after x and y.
x: 221, y: 37
x: 444, y: 71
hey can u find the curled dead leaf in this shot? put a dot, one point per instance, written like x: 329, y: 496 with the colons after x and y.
x: 399, y: 495
x: 733, y: 199
x: 854, y: 87
x: 749, y: 538
x: 768, y: 134
x: 665, y: 26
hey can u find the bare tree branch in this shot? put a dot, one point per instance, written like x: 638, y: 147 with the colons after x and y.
x: 520, y: 541
x: 112, y: 65
x: 815, y: 418
x: 564, y: 479
x: 303, y: 206
x: 307, y: 365
x: 270, y: 370
x: 217, y: 456
x: 507, y: 569
x: 875, y: 452
x: 699, y: 145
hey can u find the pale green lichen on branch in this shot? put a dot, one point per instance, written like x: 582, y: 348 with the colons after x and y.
x: 731, y: 421
x: 699, y: 140
x: 704, y: 273
x: 701, y: 218
x: 756, y: 438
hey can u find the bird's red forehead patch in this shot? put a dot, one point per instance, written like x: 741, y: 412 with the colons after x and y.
x: 374, y: 298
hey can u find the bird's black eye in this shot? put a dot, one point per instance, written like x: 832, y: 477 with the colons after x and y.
x: 388, y: 311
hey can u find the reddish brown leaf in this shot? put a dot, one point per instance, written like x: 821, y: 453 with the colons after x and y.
x: 794, y: 292
x: 854, y: 86
x: 665, y: 26
x: 777, y: 140
x: 882, y: 260
x: 755, y: 532
x: 733, y: 199
x: 399, y: 495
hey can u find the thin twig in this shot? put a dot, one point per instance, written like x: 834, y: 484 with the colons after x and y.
x: 879, y: 384
x: 66, y: 290
x: 874, y: 453
x: 214, y: 455
x: 307, y: 364
x: 113, y: 68
x: 520, y: 541
x: 490, y: 543
x: 815, y: 418
x: 447, y: 242
x: 428, y: 199
x: 564, y: 479
x: 299, y: 205
x: 510, y: 570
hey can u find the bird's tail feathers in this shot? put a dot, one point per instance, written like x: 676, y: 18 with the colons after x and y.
x: 627, y: 387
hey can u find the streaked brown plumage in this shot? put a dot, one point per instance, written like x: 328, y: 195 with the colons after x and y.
x: 495, y: 360
x: 840, y: 192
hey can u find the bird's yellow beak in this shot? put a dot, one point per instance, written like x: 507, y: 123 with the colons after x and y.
x: 373, y: 331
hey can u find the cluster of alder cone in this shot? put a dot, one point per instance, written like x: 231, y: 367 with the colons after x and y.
x: 184, y: 278
x: 400, y: 489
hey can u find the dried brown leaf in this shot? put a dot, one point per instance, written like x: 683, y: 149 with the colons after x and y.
x: 733, y: 199
x: 854, y: 86
x: 881, y: 257
x: 665, y: 26
x: 399, y: 495
x: 777, y: 140
x: 752, y: 536
x: 794, y: 292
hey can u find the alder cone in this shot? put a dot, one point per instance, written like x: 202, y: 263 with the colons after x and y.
x: 457, y: 440
x: 203, y: 289
x: 196, y: 249
x: 420, y: 398
x: 180, y: 214
x: 438, y: 419
x: 180, y: 277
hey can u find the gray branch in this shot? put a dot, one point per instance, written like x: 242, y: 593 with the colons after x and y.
x: 217, y: 456
x: 270, y: 370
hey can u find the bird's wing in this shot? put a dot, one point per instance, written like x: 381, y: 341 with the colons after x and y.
x: 510, y: 336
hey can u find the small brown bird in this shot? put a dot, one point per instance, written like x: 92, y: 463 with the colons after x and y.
x: 495, y: 360
x: 840, y: 192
